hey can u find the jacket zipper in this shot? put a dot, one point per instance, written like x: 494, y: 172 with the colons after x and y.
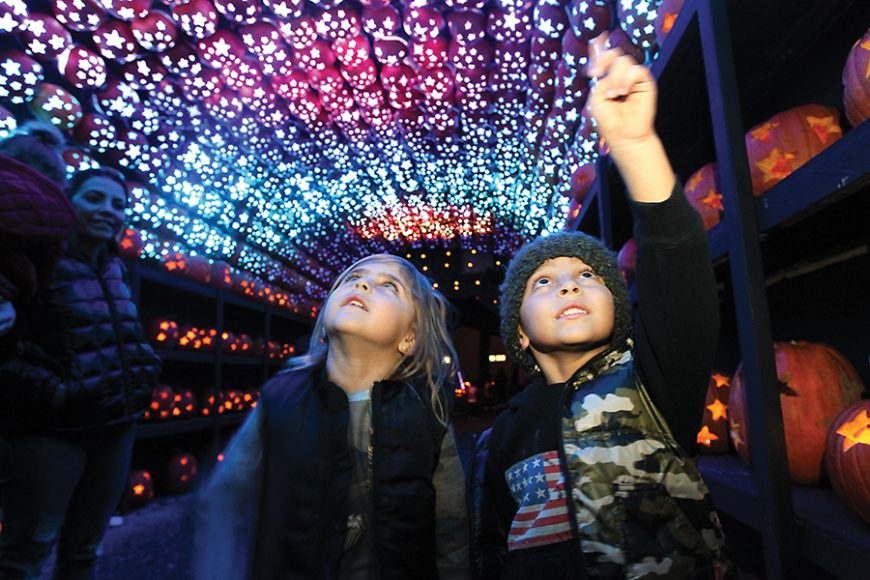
x: 114, y: 314
x: 374, y: 409
x: 566, y: 476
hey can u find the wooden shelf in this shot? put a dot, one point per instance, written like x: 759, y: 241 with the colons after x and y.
x: 837, y: 172
x: 173, y: 427
x: 189, y: 356
x: 175, y: 281
x: 833, y: 537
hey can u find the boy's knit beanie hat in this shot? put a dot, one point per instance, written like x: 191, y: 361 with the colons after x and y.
x: 529, y: 258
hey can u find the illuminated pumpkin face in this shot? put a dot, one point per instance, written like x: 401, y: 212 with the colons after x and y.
x: 138, y: 490
x: 856, y: 82
x: 847, y: 457
x: 816, y: 382
x: 787, y: 140
x: 713, y: 436
x: 164, y: 333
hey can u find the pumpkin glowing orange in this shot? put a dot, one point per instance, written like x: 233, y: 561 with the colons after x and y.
x: 856, y: 82
x: 816, y: 382
x: 786, y: 141
x: 703, y: 193
x: 713, y: 436
x: 847, y: 457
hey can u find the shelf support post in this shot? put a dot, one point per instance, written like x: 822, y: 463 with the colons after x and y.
x: 778, y: 529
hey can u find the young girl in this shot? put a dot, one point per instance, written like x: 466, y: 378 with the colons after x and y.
x: 347, y: 468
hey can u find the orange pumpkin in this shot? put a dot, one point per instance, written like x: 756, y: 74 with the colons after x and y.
x: 856, y: 82
x: 779, y: 146
x: 164, y: 333
x: 139, y: 489
x: 130, y: 244
x: 703, y: 193
x: 713, y: 436
x: 180, y: 473
x: 847, y: 457
x: 666, y: 16
x: 162, y: 400
x: 626, y: 260
x: 815, y: 382
x: 199, y: 269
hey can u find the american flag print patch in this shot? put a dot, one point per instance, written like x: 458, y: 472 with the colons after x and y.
x: 538, y: 487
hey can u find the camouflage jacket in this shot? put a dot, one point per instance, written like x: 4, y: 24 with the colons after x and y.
x: 638, y: 505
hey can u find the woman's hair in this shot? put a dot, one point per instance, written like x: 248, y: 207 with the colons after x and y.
x: 78, y: 179
x: 38, y: 145
x: 433, y: 355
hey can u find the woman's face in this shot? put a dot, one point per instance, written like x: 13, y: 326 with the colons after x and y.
x: 99, y: 206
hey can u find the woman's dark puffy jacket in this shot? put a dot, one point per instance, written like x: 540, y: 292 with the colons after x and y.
x: 81, y: 359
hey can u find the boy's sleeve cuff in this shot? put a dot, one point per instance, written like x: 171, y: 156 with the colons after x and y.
x: 665, y: 222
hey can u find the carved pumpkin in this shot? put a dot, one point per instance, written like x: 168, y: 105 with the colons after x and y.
x: 713, y: 436
x: 703, y: 193
x: 180, y: 473
x: 162, y: 399
x: 847, y: 457
x: 199, y: 269
x: 191, y: 339
x: 856, y: 82
x: 184, y: 404
x: 139, y: 489
x: 815, y: 383
x: 221, y: 275
x: 164, y: 333
x: 626, y: 260
x: 130, y: 244
x: 666, y: 16
x: 787, y: 140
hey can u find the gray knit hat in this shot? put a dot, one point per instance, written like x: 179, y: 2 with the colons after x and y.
x: 529, y: 258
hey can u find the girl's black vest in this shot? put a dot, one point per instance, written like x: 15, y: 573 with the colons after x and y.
x: 307, y: 477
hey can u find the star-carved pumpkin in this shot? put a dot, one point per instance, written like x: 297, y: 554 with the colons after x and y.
x: 138, y: 491
x: 713, y: 436
x: 856, y: 82
x: 782, y: 144
x: 666, y: 16
x: 164, y: 333
x: 816, y: 382
x: 847, y: 457
x: 703, y: 193
x: 180, y: 473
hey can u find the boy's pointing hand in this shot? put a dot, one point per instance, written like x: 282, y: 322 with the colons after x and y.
x: 623, y: 97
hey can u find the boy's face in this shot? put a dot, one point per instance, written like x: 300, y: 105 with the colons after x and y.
x: 373, y: 302
x: 566, y: 308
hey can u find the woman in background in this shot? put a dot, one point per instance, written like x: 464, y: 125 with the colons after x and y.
x: 80, y: 375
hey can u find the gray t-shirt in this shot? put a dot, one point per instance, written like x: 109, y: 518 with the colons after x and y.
x: 355, y: 562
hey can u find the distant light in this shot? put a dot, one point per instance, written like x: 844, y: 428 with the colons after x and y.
x: 497, y: 358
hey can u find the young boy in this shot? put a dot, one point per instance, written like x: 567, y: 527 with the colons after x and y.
x: 585, y: 474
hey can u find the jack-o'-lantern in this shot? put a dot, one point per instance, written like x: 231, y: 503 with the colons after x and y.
x: 713, y: 436
x: 847, y: 457
x: 815, y: 383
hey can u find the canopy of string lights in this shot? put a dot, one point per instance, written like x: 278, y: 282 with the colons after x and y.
x: 286, y: 138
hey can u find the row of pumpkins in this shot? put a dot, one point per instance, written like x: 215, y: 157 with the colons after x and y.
x: 167, y: 333
x: 177, y: 475
x: 167, y: 403
x: 215, y: 273
x: 786, y: 141
x: 775, y: 148
x: 826, y: 424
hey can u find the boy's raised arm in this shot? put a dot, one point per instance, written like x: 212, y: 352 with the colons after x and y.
x: 623, y: 103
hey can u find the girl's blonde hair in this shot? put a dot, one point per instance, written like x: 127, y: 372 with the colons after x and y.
x: 433, y: 355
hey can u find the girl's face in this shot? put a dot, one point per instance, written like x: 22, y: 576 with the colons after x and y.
x: 99, y: 206
x: 373, y: 302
